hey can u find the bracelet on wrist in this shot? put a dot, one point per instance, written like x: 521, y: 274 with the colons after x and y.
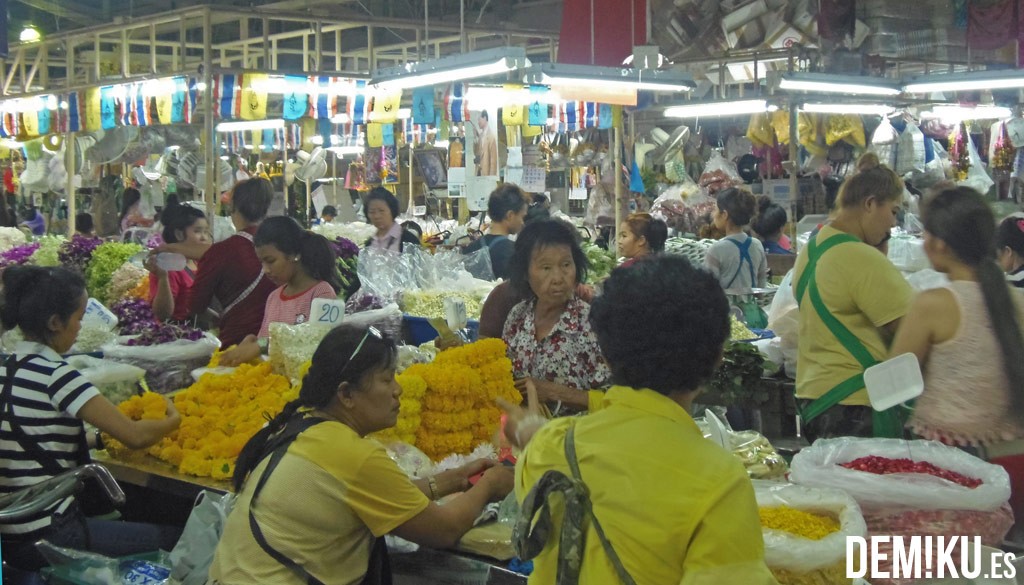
x: 432, y: 484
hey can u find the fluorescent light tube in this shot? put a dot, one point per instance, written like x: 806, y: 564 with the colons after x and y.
x: 343, y: 150
x: 250, y: 125
x: 858, y: 109
x: 455, y: 68
x: 341, y: 119
x: 849, y: 84
x: 610, y: 77
x: 960, y: 113
x: 710, y: 109
x: 969, y: 81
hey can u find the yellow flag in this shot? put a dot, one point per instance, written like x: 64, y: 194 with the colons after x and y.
x: 164, y: 107
x: 374, y: 135
x: 93, y: 114
x: 617, y: 116
x: 254, y: 96
x: 30, y: 124
x: 531, y: 131
x: 308, y: 132
x: 513, y: 115
x: 256, y: 140
x: 385, y: 107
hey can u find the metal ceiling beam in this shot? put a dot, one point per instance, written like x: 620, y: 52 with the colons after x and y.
x: 63, y: 10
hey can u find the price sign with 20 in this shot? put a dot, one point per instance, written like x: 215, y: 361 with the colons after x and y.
x: 327, y: 312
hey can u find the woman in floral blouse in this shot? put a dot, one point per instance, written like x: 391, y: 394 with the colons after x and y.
x: 549, y: 338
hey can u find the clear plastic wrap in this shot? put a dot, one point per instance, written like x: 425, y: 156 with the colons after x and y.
x: 795, y: 555
x: 384, y: 274
x: 75, y: 566
x: 388, y: 319
x: 493, y: 539
x: 819, y: 466
x: 168, y: 365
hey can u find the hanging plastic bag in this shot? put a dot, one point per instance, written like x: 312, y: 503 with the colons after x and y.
x: 910, y: 154
x: 780, y: 123
x: 759, y: 130
x: 977, y: 176
x: 719, y: 174
x: 193, y: 554
x: 884, y: 141
x: 845, y: 127
x: 795, y: 559
x: 809, y: 131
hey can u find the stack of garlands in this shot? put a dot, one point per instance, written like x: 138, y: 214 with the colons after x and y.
x: 219, y: 414
x: 459, y: 407
x: 409, y: 417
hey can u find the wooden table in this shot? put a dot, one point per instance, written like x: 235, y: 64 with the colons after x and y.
x: 158, y: 476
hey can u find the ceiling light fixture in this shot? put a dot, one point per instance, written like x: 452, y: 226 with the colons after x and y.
x: 711, y: 109
x: 30, y: 34
x: 455, y: 68
x: 590, y: 76
x: 968, y: 81
x: 250, y: 125
x: 960, y: 113
x: 848, y: 84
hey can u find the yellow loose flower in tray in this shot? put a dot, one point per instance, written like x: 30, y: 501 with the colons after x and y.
x: 459, y: 409
x: 798, y: 522
x: 219, y: 414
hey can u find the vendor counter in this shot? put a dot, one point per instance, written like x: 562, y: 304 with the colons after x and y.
x: 158, y: 481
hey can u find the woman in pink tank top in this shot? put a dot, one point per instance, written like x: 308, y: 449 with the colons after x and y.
x: 967, y: 337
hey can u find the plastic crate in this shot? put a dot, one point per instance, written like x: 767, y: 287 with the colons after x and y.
x: 420, y: 330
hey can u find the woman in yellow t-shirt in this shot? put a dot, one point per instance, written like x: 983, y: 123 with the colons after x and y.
x: 851, y: 301
x: 659, y: 504
x: 316, y: 497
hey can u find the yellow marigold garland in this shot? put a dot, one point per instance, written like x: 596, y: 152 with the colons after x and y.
x: 409, y: 420
x: 458, y: 409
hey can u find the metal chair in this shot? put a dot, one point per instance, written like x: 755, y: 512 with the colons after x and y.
x: 33, y: 499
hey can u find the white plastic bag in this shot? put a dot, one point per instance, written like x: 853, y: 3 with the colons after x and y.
x: 118, y: 382
x: 193, y: 554
x: 783, y: 550
x: 884, y: 143
x: 168, y: 365
x: 977, y: 176
x: 819, y: 466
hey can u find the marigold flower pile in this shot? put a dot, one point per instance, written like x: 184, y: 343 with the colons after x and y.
x: 459, y: 408
x: 219, y: 414
x: 797, y: 522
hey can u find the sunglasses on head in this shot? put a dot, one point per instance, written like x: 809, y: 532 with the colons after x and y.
x: 369, y: 331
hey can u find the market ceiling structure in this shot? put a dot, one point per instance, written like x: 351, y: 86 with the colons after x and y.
x: 286, y: 36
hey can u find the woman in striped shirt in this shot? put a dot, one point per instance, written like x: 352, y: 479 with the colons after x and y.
x: 304, y: 267
x: 43, y: 403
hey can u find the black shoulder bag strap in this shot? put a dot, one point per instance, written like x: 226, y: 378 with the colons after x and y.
x: 45, y: 459
x: 379, y: 570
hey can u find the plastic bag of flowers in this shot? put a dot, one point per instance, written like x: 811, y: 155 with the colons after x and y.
x: 168, y: 365
x: 291, y: 346
x: 912, y: 488
x: 805, y: 531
